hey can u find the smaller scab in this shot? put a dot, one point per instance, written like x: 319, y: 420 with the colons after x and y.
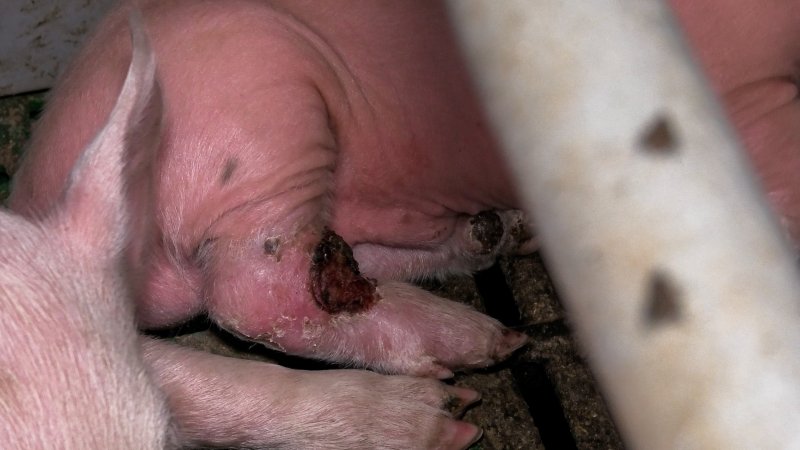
x: 272, y: 246
x: 662, y: 300
x: 659, y: 136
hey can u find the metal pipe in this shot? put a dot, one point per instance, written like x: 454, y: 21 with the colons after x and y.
x: 673, y: 270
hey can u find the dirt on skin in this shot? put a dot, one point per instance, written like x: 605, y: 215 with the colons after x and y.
x: 544, y: 397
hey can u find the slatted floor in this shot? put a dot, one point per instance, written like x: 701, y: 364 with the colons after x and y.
x: 545, y: 396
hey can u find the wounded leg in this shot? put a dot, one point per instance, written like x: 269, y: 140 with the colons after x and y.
x: 311, y: 300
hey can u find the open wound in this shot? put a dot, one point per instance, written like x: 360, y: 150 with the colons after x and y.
x: 336, y: 283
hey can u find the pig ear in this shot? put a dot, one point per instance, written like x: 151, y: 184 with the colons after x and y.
x: 98, y: 196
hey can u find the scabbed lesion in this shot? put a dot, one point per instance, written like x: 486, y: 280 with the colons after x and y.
x: 272, y: 247
x: 337, y: 285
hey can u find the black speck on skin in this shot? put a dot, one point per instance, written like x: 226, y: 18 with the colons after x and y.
x: 227, y: 172
x: 662, y: 302
x: 659, y: 136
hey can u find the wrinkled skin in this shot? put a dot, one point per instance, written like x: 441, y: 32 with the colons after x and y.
x: 284, y: 120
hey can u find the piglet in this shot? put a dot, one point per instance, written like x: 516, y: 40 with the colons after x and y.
x: 71, y: 373
x: 314, y: 158
x: 75, y: 374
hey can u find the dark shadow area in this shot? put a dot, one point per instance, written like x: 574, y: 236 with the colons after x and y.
x: 530, y: 377
x: 544, y: 405
x: 497, y: 296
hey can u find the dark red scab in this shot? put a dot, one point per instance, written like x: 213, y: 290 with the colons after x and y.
x: 336, y: 283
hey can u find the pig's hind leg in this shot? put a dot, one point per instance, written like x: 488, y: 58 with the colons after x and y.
x: 295, y: 286
x: 275, y: 273
x: 314, y: 302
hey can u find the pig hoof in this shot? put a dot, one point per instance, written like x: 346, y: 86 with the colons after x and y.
x: 510, y: 342
x: 500, y: 232
x: 395, y: 411
x: 486, y: 230
x: 456, y: 434
x: 426, y: 335
x: 507, y: 343
x: 460, y: 435
x: 460, y: 399
x: 433, y: 370
x: 523, y: 236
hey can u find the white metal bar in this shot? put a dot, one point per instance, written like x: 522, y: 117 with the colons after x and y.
x: 675, y: 274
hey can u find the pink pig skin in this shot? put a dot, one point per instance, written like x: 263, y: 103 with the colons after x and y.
x: 71, y: 374
x: 74, y: 374
x: 282, y: 118
x: 227, y: 402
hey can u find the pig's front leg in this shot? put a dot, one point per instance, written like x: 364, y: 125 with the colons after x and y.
x: 474, y: 243
x: 225, y: 402
x: 303, y: 294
